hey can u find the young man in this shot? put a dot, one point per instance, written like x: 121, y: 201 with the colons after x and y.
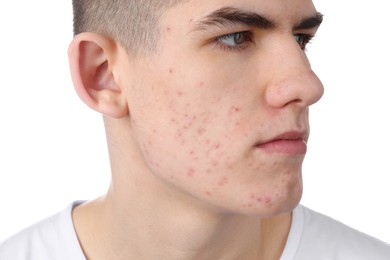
x: 205, y: 105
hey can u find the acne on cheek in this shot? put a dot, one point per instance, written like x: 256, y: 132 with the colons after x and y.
x: 208, y: 193
x: 223, y: 181
x: 190, y: 172
x: 234, y: 110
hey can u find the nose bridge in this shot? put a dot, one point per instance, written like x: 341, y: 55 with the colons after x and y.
x: 293, y: 80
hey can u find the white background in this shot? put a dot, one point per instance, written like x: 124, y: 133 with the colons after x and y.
x: 53, y: 151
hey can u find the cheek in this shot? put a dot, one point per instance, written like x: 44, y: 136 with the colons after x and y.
x: 197, y: 136
x: 189, y: 133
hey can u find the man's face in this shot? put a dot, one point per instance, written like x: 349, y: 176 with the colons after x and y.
x: 220, y: 111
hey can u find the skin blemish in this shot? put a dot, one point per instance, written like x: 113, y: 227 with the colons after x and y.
x: 208, y: 193
x: 179, y: 93
x: 190, y: 172
x: 267, y: 201
x: 263, y: 200
x: 223, y: 181
x: 201, y: 131
x: 201, y: 84
x: 247, y: 205
x: 187, y: 126
x: 169, y: 29
x: 217, y: 146
x: 179, y: 134
x: 170, y: 71
x: 234, y: 110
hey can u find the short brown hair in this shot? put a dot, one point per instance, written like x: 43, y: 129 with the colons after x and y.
x: 133, y: 23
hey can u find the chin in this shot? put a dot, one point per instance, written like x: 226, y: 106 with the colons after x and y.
x: 275, y: 205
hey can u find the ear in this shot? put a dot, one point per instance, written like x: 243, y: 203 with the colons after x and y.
x: 91, y: 59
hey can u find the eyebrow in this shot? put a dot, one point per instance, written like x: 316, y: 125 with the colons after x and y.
x: 230, y: 15
x: 310, y: 22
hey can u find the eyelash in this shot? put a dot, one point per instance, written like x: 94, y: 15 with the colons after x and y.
x: 303, y: 40
x: 248, y: 37
x: 306, y: 38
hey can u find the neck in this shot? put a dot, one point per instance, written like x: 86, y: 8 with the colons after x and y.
x: 158, y: 228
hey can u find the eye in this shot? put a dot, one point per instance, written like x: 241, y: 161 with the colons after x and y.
x: 234, y: 41
x: 303, y: 40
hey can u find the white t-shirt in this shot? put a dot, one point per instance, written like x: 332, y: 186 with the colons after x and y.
x: 312, y: 237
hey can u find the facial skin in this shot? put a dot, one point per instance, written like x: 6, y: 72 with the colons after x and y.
x: 206, y: 135
x: 200, y: 106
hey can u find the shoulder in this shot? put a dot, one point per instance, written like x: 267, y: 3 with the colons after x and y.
x: 52, y: 238
x: 326, y: 238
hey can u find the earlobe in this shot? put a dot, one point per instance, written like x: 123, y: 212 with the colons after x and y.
x: 92, y: 59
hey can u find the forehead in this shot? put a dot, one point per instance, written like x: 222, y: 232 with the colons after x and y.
x: 280, y: 11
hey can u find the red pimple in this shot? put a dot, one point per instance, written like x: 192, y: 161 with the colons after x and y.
x: 247, y: 205
x: 187, y: 126
x: 180, y: 93
x: 234, y: 109
x: 190, y: 172
x: 201, y: 131
x: 223, y: 181
x: 168, y: 29
x: 267, y: 200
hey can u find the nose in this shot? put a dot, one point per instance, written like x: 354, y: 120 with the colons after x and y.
x: 292, y: 80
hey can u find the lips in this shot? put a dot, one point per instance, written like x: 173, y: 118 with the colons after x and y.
x: 291, y: 143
